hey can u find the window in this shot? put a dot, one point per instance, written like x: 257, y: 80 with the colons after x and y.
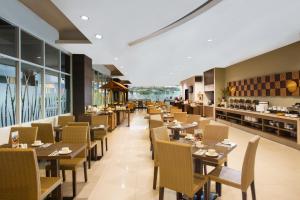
x: 31, y: 49
x: 31, y: 93
x: 65, y: 62
x: 51, y: 93
x: 65, y: 93
x: 51, y: 57
x: 8, y: 39
x: 8, y: 92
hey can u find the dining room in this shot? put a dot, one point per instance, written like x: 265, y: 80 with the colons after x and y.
x: 152, y: 100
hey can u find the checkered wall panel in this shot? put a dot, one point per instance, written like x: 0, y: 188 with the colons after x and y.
x: 264, y: 86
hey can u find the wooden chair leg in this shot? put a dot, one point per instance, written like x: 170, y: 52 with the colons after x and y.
x: 219, y: 189
x: 57, y: 193
x: 102, y: 153
x: 178, y: 196
x: 106, y: 144
x: 205, y: 169
x: 226, y: 163
x: 253, y: 191
x: 89, y: 157
x: 161, y: 193
x: 244, y: 195
x: 207, y: 192
x: 74, y: 183
x: 152, y: 154
x: 63, y: 175
x: 85, y: 171
x: 155, y: 177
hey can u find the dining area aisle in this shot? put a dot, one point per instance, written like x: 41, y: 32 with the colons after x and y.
x: 126, y: 170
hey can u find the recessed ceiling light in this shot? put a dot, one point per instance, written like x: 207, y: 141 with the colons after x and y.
x: 209, y: 40
x: 116, y: 58
x: 189, y: 57
x: 83, y: 17
x: 98, y: 36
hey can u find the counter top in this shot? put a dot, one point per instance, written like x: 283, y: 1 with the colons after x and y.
x: 258, y: 113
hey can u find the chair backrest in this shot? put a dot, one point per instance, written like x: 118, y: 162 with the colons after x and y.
x: 153, y: 110
x: 76, y: 135
x: 26, y: 134
x: 153, y: 123
x: 100, y: 120
x: 203, y: 123
x: 180, y: 116
x: 19, y: 176
x: 85, y: 124
x: 215, y: 133
x: 45, y: 132
x: 176, y: 168
x: 193, y: 118
x: 249, y: 163
x: 64, y: 120
x: 159, y: 134
x: 175, y: 109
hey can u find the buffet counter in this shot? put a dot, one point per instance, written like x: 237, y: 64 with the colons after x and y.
x: 282, y: 129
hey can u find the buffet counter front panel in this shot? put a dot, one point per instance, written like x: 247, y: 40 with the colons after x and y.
x: 282, y: 129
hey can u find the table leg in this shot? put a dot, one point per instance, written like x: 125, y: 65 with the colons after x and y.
x: 128, y: 118
x: 56, y: 194
x: 57, y: 136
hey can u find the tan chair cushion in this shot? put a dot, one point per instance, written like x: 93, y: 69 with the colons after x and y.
x: 71, y: 164
x: 227, y: 176
x: 48, y: 185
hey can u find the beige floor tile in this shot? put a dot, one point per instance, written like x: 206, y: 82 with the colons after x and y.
x: 126, y: 170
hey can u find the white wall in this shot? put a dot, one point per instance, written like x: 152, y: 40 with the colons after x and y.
x: 197, y: 88
x: 16, y: 13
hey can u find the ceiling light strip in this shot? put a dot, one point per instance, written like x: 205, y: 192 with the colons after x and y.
x: 199, y: 10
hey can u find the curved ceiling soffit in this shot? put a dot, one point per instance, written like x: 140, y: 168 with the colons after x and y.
x: 191, y: 15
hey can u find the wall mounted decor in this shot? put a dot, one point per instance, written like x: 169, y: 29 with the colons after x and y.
x: 279, y: 84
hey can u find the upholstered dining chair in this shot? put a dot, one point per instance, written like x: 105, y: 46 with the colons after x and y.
x: 26, y: 134
x: 174, y: 109
x: 20, y: 178
x: 180, y: 116
x: 45, y: 132
x: 101, y: 134
x: 239, y: 179
x: 158, y: 134
x: 215, y: 133
x: 154, y: 123
x: 176, y: 170
x: 75, y: 135
x: 92, y: 145
x: 193, y: 118
x: 63, y: 120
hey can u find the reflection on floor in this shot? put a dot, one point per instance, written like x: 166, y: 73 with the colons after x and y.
x: 126, y: 171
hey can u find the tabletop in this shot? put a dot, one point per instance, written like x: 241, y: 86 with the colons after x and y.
x: 50, y: 151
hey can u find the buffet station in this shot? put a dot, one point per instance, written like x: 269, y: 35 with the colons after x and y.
x: 249, y: 104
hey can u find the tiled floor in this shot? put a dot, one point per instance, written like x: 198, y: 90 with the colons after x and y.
x: 125, y: 172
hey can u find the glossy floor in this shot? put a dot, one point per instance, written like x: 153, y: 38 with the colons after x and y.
x: 126, y: 171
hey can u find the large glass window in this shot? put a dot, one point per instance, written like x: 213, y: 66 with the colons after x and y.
x: 65, y: 93
x: 8, y: 92
x: 8, y: 39
x: 31, y: 93
x: 51, y: 57
x: 31, y: 49
x: 65, y: 63
x: 51, y: 93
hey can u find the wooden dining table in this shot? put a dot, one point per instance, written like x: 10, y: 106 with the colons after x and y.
x: 177, y: 129
x: 201, y: 159
x: 49, y: 152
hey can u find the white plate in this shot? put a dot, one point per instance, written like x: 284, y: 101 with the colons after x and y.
x: 212, y: 155
x: 200, y: 146
x: 226, y: 142
x: 65, y: 152
x: 37, y: 145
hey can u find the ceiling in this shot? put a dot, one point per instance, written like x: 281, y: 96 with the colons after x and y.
x: 239, y: 29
